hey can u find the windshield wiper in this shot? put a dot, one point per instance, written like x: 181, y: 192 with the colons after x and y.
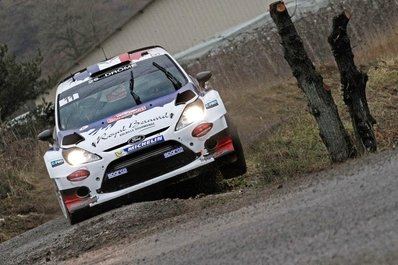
x: 177, y: 84
x: 135, y: 96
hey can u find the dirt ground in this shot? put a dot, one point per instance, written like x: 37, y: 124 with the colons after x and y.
x: 94, y: 240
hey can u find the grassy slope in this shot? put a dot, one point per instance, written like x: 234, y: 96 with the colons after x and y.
x: 280, y: 137
x: 292, y: 147
x: 26, y: 195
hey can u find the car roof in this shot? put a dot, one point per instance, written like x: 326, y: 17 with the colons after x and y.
x: 104, y: 66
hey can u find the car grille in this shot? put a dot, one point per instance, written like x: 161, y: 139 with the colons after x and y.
x: 145, y: 165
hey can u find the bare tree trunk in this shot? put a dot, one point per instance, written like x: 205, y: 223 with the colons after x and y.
x: 353, y: 84
x: 320, y: 100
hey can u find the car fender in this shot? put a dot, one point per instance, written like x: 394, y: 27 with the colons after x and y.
x: 213, y: 104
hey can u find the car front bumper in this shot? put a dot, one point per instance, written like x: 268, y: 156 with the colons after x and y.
x: 191, y: 162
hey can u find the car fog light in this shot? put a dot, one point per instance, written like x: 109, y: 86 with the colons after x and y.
x: 78, y: 175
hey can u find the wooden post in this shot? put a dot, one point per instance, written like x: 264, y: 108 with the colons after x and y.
x: 320, y: 100
x: 353, y: 83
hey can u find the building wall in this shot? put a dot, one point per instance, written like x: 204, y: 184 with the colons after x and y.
x: 176, y: 25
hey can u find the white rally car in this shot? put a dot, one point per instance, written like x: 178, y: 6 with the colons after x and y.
x: 132, y: 121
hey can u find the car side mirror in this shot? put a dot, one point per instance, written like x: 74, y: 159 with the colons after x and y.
x: 46, y: 136
x: 203, y: 77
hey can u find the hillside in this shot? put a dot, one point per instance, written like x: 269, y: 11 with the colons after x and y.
x: 62, y: 30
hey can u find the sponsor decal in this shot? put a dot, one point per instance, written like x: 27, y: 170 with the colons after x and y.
x: 135, y: 147
x: 134, y: 126
x: 173, y: 152
x: 212, y: 104
x: 116, y: 95
x: 68, y: 99
x: 119, y: 153
x: 116, y: 71
x: 117, y: 173
x: 100, y: 127
x: 57, y: 162
x: 125, y: 114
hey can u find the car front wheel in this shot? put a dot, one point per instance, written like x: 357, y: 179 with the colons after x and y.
x: 72, y: 218
x: 238, y: 167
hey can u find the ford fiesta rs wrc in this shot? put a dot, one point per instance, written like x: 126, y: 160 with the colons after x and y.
x: 133, y: 121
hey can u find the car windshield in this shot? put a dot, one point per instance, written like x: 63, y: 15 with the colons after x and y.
x: 116, y: 91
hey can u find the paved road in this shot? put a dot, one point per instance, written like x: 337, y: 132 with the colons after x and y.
x: 348, y: 215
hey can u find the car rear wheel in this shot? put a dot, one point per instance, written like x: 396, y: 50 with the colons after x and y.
x: 238, y: 167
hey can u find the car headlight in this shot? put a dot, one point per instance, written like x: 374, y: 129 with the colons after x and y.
x: 193, y: 112
x: 76, y: 156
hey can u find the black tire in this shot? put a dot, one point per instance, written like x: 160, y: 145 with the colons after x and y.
x: 76, y: 217
x: 206, y: 183
x: 238, y: 167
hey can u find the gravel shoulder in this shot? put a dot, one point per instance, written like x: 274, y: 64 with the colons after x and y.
x: 346, y: 215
